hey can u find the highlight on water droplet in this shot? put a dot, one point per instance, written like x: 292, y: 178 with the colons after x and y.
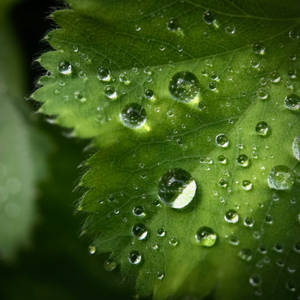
x: 133, y: 115
x: 281, y: 178
x: 222, y: 140
x: 134, y: 257
x: 262, y: 129
x: 176, y: 188
x: 65, y: 68
x: 206, y: 236
x: 292, y: 102
x: 231, y: 216
x: 139, y: 231
x: 92, y: 249
x: 185, y: 87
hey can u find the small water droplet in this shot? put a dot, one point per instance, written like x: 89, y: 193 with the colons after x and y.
x: 184, y: 87
x: 123, y: 78
x: 92, y: 250
x: 223, y: 183
x: 222, y: 140
x: 222, y: 159
x: 262, y: 129
x: 161, y: 232
x: 111, y: 92
x: 139, y: 231
x: 173, y: 25
x: 255, y: 280
x: 208, y: 17
x: 231, y: 216
x: 281, y: 178
x: 138, y: 211
x: 259, y: 49
x: 243, y: 160
x: 133, y: 115
x: 149, y: 94
x: 104, y: 74
x: 247, y: 185
x: 134, y: 257
x: 173, y: 242
x: 206, y: 237
x: 110, y: 265
x: 245, y: 254
x: 230, y: 29
x: 292, y: 102
x: 65, y: 68
x: 160, y: 275
x: 249, y: 222
x: 176, y: 188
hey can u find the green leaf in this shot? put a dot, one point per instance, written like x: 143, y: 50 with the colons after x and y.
x: 207, y: 96
x: 22, y: 151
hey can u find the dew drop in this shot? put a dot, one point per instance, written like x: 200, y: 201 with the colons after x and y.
x: 223, y: 183
x: 134, y: 257
x: 259, y: 49
x: 176, y: 188
x: 222, y: 159
x: 222, y: 140
x: 138, y: 211
x: 65, y: 68
x: 243, y: 160
x: 231, y: 216
x: 110, y: 92
x: 184, y: 87
x: 296, y: 147
x: 149, y: 94
x: 110, y: 265
x: 173, y: 242
x: 262, y: 94
x: 92, y: 250
x: 292, y: 102
x: 173, y: 25
x: 160, y: 275
x: 123, y: 78
x: 247, y: 185
x: 245, y: 254
x: 281, y: 178
x: 249, y: 222
x: 208, y: 17
x: 104, y: 74
x: 230, y: 29
x: 139, y: 231
x: 206, y: 237
x: 262, y: 129
x: 161, y: 232
x: 255, y: 280
x: 133, y: 115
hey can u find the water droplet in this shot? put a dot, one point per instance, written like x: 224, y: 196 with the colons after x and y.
x: 230, y: 29
x: 104, y: 74
x: 139, y: 231
x: 247, y: 185
x: 173, y: 25
x: 262, y: 94
x: 138, y: 211
x: 296, y: 147
x: 245, y: 254
x: 255, y: 280
x: 249, y: 222
x: 268, y: 219
x: 231, y: 216
x: 184, y: 87
x: 222, y: 159
x: 208, y: 17
x: 110, y: 265
x: 206, y: 237
x: 65, y: 68
x: 149, y: 94
x: 92, y: 250
x: 134, y: 257
x: 176, y: 188
x: 123, y: 78
x: 259, y: 49
x: 292, y: 102
x: 297, y: 247
x: 275, y: 77
x: 133, y: 115
x: 161, y: 232
x: 243, y: 160
x: 223, y: 183
x: 233, y: 240
x: 281, y: 178
x: 160, y: 275
x: 290, y: 285
x: 222, y: 140
x: 173, y: 242
x: 110, y: 92
x: 262, y: 129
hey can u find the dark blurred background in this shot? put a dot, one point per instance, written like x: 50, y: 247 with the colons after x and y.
x: 56, y: 264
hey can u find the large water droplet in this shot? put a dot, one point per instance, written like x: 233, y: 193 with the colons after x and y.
x: 133, y: 115
x: 176, y: 188
x: 206, y: 237
x: 140, y: 231
x: 281, y: 178
x: 262, y: 128
x: 222, y: 140
x: 296, y: 147
x: 231, y: 216
x: 184, y: 87
x: 65, y: 68
x: 292, y: 102
x: 134, y: 257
